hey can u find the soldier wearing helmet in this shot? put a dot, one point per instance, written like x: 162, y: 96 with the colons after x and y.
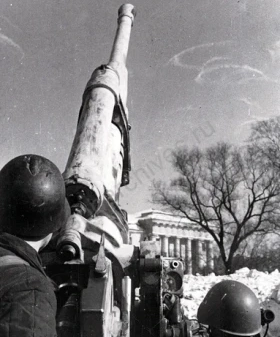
x: 32, y: 207
x: 230, y: 309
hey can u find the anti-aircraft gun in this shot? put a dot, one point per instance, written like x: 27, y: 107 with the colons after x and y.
x: 97, y: 271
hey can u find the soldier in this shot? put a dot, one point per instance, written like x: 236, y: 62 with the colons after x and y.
x: 32, y: 207
x: 230, y: 309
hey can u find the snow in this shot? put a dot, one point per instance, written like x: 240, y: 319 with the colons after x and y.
x: 264, y: 285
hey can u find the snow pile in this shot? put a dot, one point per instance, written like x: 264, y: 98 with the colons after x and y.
x: 264, y: 285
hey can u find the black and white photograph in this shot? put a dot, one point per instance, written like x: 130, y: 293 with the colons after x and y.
x: 140, y: 168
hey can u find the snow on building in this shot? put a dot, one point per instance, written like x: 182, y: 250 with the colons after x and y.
x: 178, y: 236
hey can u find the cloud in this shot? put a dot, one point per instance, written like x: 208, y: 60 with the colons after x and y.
x: 229, y: 74
x: 178, y: 59
x: 220, y: 62
x: 6, y: 41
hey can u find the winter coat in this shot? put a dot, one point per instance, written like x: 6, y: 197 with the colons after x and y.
x: 27, y: 297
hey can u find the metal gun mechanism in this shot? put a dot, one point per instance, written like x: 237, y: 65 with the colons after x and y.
x: 159, y: 312
x: 90, y: 294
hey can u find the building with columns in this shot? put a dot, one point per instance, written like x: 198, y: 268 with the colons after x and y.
x: 178, y: 236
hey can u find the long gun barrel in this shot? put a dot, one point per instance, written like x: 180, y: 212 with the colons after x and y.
x: 98, y: 165
x: 99, y: 158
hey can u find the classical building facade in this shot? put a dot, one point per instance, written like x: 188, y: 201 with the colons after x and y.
x: 178, y: 236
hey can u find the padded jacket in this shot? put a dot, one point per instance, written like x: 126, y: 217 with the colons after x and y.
x: 27, y: 295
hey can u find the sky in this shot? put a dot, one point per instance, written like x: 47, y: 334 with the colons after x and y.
x: 199, y: 72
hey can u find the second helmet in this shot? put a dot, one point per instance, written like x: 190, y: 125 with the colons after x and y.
x: 231, y: 307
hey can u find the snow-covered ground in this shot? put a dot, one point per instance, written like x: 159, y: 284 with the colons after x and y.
x: 264, y: 285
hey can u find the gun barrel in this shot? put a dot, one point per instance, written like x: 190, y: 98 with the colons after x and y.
x: 97, y: 154
x: 120, y: 47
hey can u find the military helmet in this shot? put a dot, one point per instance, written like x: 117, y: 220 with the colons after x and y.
x: 32, y: 197
x: 231, y: 307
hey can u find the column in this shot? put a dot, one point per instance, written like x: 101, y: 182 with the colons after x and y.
x: 164, y: 246
x: 199, y: 256
x: 183, y: 251
x: 177, y: 247
x: 189, y: 256
x: 183, y: 256
x: 171, y: 249
x: 209, y: 256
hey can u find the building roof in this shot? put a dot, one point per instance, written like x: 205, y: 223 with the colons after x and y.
x: 158, y: 215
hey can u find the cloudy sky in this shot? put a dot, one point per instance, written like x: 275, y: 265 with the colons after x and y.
x: 200, y: 71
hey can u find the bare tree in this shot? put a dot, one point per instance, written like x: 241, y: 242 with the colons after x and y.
x: 261, y: 253
x: 265, y: 137
x: 224, y: 190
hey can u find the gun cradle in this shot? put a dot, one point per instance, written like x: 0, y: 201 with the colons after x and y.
x: 97, y: 306
x: 85, y: 301
x: 99, y: 298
